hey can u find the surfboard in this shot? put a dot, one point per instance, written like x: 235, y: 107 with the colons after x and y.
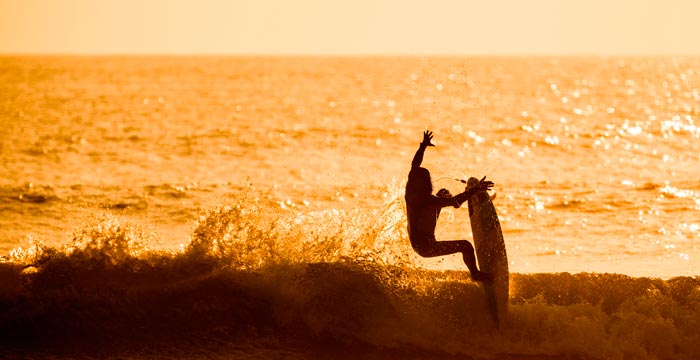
x: 490, y: 252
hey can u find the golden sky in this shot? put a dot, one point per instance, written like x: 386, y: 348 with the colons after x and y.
x: 350, y: 27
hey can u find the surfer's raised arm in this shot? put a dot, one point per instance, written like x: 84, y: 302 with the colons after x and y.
x: 418, y: 158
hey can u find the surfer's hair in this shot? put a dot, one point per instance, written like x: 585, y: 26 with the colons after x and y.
x: 444, y: 193
x: 419, y: 181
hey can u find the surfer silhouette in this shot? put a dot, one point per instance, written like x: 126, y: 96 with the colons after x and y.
x: 423, y: 209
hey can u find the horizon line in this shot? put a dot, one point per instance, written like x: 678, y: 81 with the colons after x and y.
x: 332, y: 55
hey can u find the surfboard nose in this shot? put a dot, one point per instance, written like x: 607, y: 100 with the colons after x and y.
x: 478, y: 197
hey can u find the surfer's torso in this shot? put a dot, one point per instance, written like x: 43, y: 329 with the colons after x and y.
x: 423, y: 211
x: 422, y: 217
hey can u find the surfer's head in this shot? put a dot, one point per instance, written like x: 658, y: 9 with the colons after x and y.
x: 444, y: 193
x: 419, y: 181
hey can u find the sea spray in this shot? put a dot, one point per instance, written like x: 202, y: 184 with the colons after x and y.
x: 240, y: 234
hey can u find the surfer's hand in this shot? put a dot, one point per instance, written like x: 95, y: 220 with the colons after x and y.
x: 427, y: 138
x: 482, y: 185
x: 485, y: 184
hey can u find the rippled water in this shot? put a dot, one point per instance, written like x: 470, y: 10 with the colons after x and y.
x: 595, y: 159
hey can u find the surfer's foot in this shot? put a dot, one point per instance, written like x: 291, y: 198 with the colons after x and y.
x: 481, y: 276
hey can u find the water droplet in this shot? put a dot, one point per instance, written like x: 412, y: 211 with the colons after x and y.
x: 552, y: 140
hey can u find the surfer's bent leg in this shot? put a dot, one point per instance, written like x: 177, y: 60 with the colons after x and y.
x: 431, y: 248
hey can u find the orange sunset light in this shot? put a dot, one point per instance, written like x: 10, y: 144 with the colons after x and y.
x: 350, y: 179
x: 349, y: 27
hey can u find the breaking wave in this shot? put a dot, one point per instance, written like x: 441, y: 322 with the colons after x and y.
x: 334, y: 283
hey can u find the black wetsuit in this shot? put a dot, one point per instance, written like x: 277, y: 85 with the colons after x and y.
x: 423, y: 209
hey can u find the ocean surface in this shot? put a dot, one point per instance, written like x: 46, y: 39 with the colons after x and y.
x: 232, y: 207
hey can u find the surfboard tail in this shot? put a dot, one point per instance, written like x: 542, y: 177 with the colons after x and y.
x: 492, y: 301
